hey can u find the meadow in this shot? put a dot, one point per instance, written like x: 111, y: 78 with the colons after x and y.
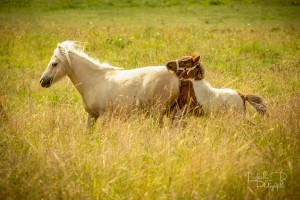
x: 46, y: 152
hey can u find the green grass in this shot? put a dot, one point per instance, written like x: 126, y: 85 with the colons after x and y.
x: 47, y: 153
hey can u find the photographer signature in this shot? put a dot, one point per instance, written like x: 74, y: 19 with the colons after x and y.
x: 266, y: 180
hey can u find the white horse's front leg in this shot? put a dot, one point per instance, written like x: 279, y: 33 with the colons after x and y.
x: 91, y: 121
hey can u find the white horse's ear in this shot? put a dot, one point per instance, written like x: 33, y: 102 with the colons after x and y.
x: 61, y: 49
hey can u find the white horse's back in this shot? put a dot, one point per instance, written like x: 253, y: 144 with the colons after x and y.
x: 212, y: 99
x: 143, y: 85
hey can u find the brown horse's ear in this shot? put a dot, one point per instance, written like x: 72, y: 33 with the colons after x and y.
x: 171, y: 66
x: 196, y: 58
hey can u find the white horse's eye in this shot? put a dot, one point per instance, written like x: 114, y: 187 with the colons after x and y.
x: 54, y: 64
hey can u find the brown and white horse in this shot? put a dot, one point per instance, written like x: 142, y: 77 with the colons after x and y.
x: 198, y: 96
x: 101, y: 85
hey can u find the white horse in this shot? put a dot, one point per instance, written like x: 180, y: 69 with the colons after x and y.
x: 101, y: 85
x: 209, y: 99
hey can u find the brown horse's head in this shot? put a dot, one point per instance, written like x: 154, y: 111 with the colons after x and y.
x: 187, y: 67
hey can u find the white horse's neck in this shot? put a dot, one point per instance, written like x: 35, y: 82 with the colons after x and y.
x: 213, y: 99
x: 204, y: 87
x: 206, y: 95
x: 84, y: 73
x: 208, y: 90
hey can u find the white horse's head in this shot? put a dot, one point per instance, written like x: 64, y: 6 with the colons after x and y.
x: 58, y: 65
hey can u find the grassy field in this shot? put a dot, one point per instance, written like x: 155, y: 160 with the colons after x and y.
x: 47, y: 153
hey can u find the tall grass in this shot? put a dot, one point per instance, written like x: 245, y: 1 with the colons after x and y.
x: 46, y: 152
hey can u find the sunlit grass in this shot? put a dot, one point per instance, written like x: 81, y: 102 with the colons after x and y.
x: 46, y: 151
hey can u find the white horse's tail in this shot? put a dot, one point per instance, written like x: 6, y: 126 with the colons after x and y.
x: 257, y: 102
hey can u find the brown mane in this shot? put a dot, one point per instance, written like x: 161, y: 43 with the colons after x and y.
x: 187, y: 100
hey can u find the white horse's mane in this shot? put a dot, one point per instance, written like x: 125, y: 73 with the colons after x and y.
x: 65, y: 47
